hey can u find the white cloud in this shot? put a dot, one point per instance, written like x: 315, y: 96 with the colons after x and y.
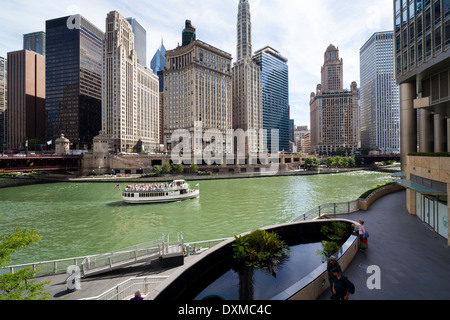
x: 300, y: 29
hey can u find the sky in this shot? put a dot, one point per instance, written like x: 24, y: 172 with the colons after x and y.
x: 301, y: 30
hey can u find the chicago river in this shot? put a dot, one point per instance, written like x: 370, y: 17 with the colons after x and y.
x: 79, y: 219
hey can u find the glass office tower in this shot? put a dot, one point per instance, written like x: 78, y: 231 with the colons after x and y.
x: 275, y: 96
x: 140, y: 41
x: 380, y: 100
x: 73, y: 80
x: 159, y: 59
x: 35, y: 42
x: 3, y: 99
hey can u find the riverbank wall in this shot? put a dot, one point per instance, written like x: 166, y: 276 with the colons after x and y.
x: 15, y: 181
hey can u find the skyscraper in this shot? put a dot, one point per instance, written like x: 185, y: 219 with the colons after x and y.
x: 158, y: 64
x: 35, y: 42
x: 422, y: 68
x: 130, y: 104
x: 275, y: 97
x: 3, y: 99
x: 159, y: 59
x: 140, y: 41
x: 26, y: 96
x: 422, y: 43
x: 73, y: 80
x: 380, y: 101
x: 188, y: 33
x: 247, y: 83
x: 334, y: 110
x: 197, y: 81
x: 244, y: 31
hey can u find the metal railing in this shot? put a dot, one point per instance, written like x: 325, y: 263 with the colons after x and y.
x: 87, y: 263
x: 127, y: 256
x: 327, y: 209
x: 198, y: 247
x: 108, y: 260
x: 45, y: 267
x: 126, y: 289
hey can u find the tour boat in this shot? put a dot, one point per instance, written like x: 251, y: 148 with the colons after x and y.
x: 177, y: 190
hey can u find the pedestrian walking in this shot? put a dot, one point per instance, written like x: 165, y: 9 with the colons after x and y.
x: 342, y: 287
x: 363, y: 235
x: 332, y: 266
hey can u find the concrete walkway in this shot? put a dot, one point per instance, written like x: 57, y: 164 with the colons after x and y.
x: 413, y: 259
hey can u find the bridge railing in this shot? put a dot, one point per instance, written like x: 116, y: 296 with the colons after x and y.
x: 118, y: 256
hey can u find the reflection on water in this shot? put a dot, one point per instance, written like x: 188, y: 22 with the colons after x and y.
x: 78, y: 219
x: 261, y: 284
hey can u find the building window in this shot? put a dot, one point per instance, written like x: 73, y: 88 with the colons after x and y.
x: 447, y: 32
x: 411, y: 11
x: 419, y: 27
x: 437, y: 39
x: 418, y: 6
x: 412, y: 56
x: 427, y: 20
x: 419, y: 52
x: 437, y: 12
x: 428, y: 46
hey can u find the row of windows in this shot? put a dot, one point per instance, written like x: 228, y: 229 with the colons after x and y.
x: 422, y: 31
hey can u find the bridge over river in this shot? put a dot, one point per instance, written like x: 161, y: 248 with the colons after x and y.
x: 28, y: 162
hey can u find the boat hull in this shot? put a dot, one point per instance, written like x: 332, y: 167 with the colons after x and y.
x: 163, y: 199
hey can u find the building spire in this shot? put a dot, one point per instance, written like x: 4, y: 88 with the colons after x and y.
x: 244, y: 31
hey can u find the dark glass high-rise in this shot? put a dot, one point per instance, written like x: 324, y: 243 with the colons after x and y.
x: 73, y: 80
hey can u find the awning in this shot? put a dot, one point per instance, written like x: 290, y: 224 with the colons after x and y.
x: 400, y: 174
x: 418, y: 187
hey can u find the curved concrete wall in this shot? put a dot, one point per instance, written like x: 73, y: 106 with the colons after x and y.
x: 183, y: 281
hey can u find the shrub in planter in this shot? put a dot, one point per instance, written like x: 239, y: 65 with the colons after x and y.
x: 259, y: 249
x: 333, y: 231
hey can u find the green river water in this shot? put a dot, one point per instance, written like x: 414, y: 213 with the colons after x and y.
x: 79, y: 219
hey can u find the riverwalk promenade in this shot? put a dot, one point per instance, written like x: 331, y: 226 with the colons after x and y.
x: 412, y: 259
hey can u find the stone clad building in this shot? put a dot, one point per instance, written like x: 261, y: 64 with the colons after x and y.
x: 334, y: 110
x: 197, y: 89
x: 130, y: 94
x: 247, y: 83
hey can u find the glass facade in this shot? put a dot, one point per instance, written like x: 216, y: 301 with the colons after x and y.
x: 35, y: 42
x: 275, y: 96
x: 140, y: 41
x: 3, y: 99
x: 73, y: 81
x: 159, y: 59
x: 422, y: 31
x: 380, y: 100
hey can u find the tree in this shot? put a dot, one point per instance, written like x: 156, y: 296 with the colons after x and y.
x: 179, y: 168
x: 344, y: 162
x: 330, y: 162
x: 166, y: 168
x: 351, y: 162
x: 194, y: 168
x: 20, y: 284
x: 157, y: 169
x: 311, y: 163
x: 338, y: 161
